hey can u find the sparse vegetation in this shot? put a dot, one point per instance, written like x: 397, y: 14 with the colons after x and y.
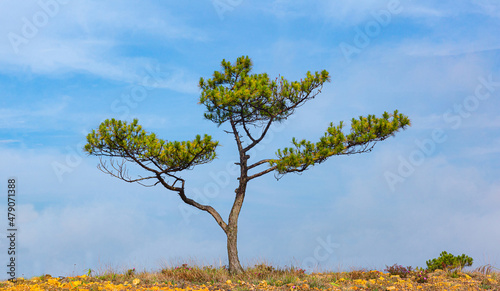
x: 399, y: 270
x: 265, y: 277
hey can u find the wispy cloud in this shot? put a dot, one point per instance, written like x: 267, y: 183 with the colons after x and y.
x: 488, y: 7
x: 96, y: 58
x: 56, y: 48
x: 492, y: 149
x: 117, y: 17
x: 350, y: 13
x: 5, y: 141
x: 35, y: 115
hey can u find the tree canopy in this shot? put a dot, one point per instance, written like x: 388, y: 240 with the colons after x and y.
x: 233, y: 94
x: 116, y: 138
x: 250, y: 103
x: 365, y: 132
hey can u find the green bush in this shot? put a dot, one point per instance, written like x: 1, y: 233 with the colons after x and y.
x: 449, y: 262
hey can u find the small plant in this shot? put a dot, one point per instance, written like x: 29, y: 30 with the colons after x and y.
x: 277, y: 282
x: 421, y: 275
x: 449, y: 262
x: 486, y: 269
x: 454, y: 274
x: 131, y: 272
x: 396, y: 269
x: 183, y: 267
x: 485, y: 284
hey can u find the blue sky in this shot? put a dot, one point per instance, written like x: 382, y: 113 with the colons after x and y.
x: 65, y: 66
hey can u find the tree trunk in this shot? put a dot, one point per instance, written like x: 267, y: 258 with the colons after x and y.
x: 232, y: 251
x: 232, y: 228
x: 232, y: 222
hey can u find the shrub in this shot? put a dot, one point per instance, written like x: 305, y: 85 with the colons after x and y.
x: 421, y: 275
x: 449, y: 262
x: 396, y: 269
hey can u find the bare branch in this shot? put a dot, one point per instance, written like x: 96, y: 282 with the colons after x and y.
x: 121, y: 172
x: 247, y: 131
x: 259, y: 163
x: 264, y: 132
x: 262, y: 173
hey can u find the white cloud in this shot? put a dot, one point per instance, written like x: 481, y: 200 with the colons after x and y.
x: 5, y: 141
x: 352, y: 13
x: 431, y: 207
x: 448, y: 47
x: 36, y: 115
x: 491, y: 150
x: 96, y: 57
x: 56, y: 49
x: 488, y: 7
x: 115, y: 17
x: 87, y: 210
x: 344, y: 13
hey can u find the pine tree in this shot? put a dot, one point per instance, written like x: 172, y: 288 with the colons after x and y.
x: 250, y: 104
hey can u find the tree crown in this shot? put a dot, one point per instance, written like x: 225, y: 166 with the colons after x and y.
x: 365, y: 132
x: 234, y: 94
x: 116, y: 138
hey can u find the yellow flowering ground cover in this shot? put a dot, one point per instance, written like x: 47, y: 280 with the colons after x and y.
x: 259, y: 278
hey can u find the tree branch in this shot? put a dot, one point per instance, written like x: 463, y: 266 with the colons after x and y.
x: 136, y: 160
x: 259, y: 163
x: 121, y: 172
x: 246, y: 129
x: 236, y: 135
x: 262, y: 173
x: 255, y: 142
x: 191, y: 202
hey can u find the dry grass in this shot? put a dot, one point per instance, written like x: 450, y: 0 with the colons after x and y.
x: 260, y: 277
